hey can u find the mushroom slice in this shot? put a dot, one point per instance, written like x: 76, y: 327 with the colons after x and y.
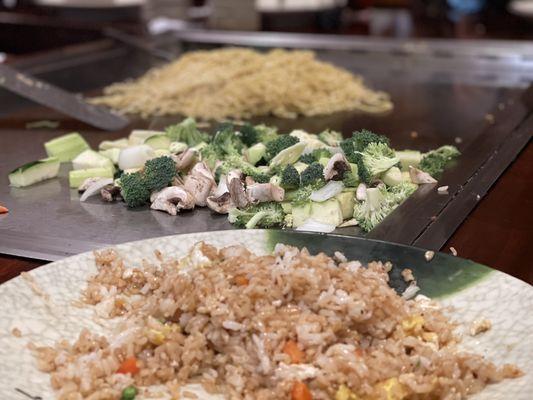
x: 177, y: 181
x: 262, y: 192
x: 234, y: 174
x: 184, y: 160
x: 200, y: 187
x: 110, y: 193
x: 249, y: 181
x: 86, y: 183
x: 336, y: 167
x: 201, y: 169
x: 221, y: 204
x: 236, y: 189
x: 172, y: 199
x: 420, y: 177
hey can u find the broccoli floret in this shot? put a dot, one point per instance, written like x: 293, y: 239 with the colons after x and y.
x: 290, y: 178
x: 264, y: 215
x: 266, y: 133
x: 362, y: 171
x: 259, y: 176
x: 434, y: 162
x: 380, y: 202
x: 376, y: 159
x: 158, y: 172
x: 359, y: 142
x: 226, y: 140
x: 373, y: 210
x: 237, y: 162
x: 321, y: 153
x: 210, y: 154
x: 331, y: 138
x: 251, y: 135
x: 398, y: 193
x: 312, y: 174
x: 363, y: 138
x: 282, y: 142
x: 133, y: 190
x: 307, y: 158
x: 186, y: 131
x: 350, y: 179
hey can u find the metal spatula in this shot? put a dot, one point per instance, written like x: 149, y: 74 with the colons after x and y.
x: 58, y: 99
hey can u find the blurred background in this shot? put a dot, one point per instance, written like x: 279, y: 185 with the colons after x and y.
x: 29, y: 26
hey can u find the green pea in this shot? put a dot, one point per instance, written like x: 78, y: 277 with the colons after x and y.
x: 129, y: 393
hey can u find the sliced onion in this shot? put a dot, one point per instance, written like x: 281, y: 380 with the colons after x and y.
x: 420, y: 177
x: 222, y: 187
x: 410, y: 291
x: 94, y: 188
x: 135, y: 156
x: 331, y: 189
x: 312, y: 225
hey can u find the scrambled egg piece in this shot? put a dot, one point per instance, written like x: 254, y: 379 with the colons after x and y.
x: 345, y: 394
x: 195, y: 258
x: 431, y: 337
x: 393, y: 389
x: 413, y: 325
x: 157, y: 336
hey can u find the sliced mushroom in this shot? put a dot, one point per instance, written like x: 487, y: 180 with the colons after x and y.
x: 221, y: 188
x: 172, y: 199
x: 184, y: 160
x: 221, y: 204
x: 110, y: 193
x: 336, y: 168
x: 177, y: 181
x: 200, y: 187
x: 262, y: 192
x: 420, y: 177
x: 86, y: 183
x: 249, y: 181
x: 202, y: 170
x: 234, y: 174
x: 236, y: 188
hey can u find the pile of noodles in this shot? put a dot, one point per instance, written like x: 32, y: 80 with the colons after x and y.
x: 242, y: 83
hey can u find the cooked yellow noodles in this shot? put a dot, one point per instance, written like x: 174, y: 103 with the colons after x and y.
x: 241, y: 83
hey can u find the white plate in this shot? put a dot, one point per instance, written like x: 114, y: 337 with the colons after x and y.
x: 474, y: 291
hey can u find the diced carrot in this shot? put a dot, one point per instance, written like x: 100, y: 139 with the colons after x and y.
x: 359, y: 352
x: 241, y: 280
x: 300, y: 391
x: 3, y: 209
x: 128, y: 366
x: 291, y: 349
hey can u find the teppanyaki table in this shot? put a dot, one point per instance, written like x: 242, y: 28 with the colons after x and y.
x: 473, y: 95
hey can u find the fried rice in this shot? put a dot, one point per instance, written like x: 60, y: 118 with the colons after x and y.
x: 289, y: 325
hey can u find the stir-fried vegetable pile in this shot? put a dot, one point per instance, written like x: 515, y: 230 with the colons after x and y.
x: 257, y: 176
